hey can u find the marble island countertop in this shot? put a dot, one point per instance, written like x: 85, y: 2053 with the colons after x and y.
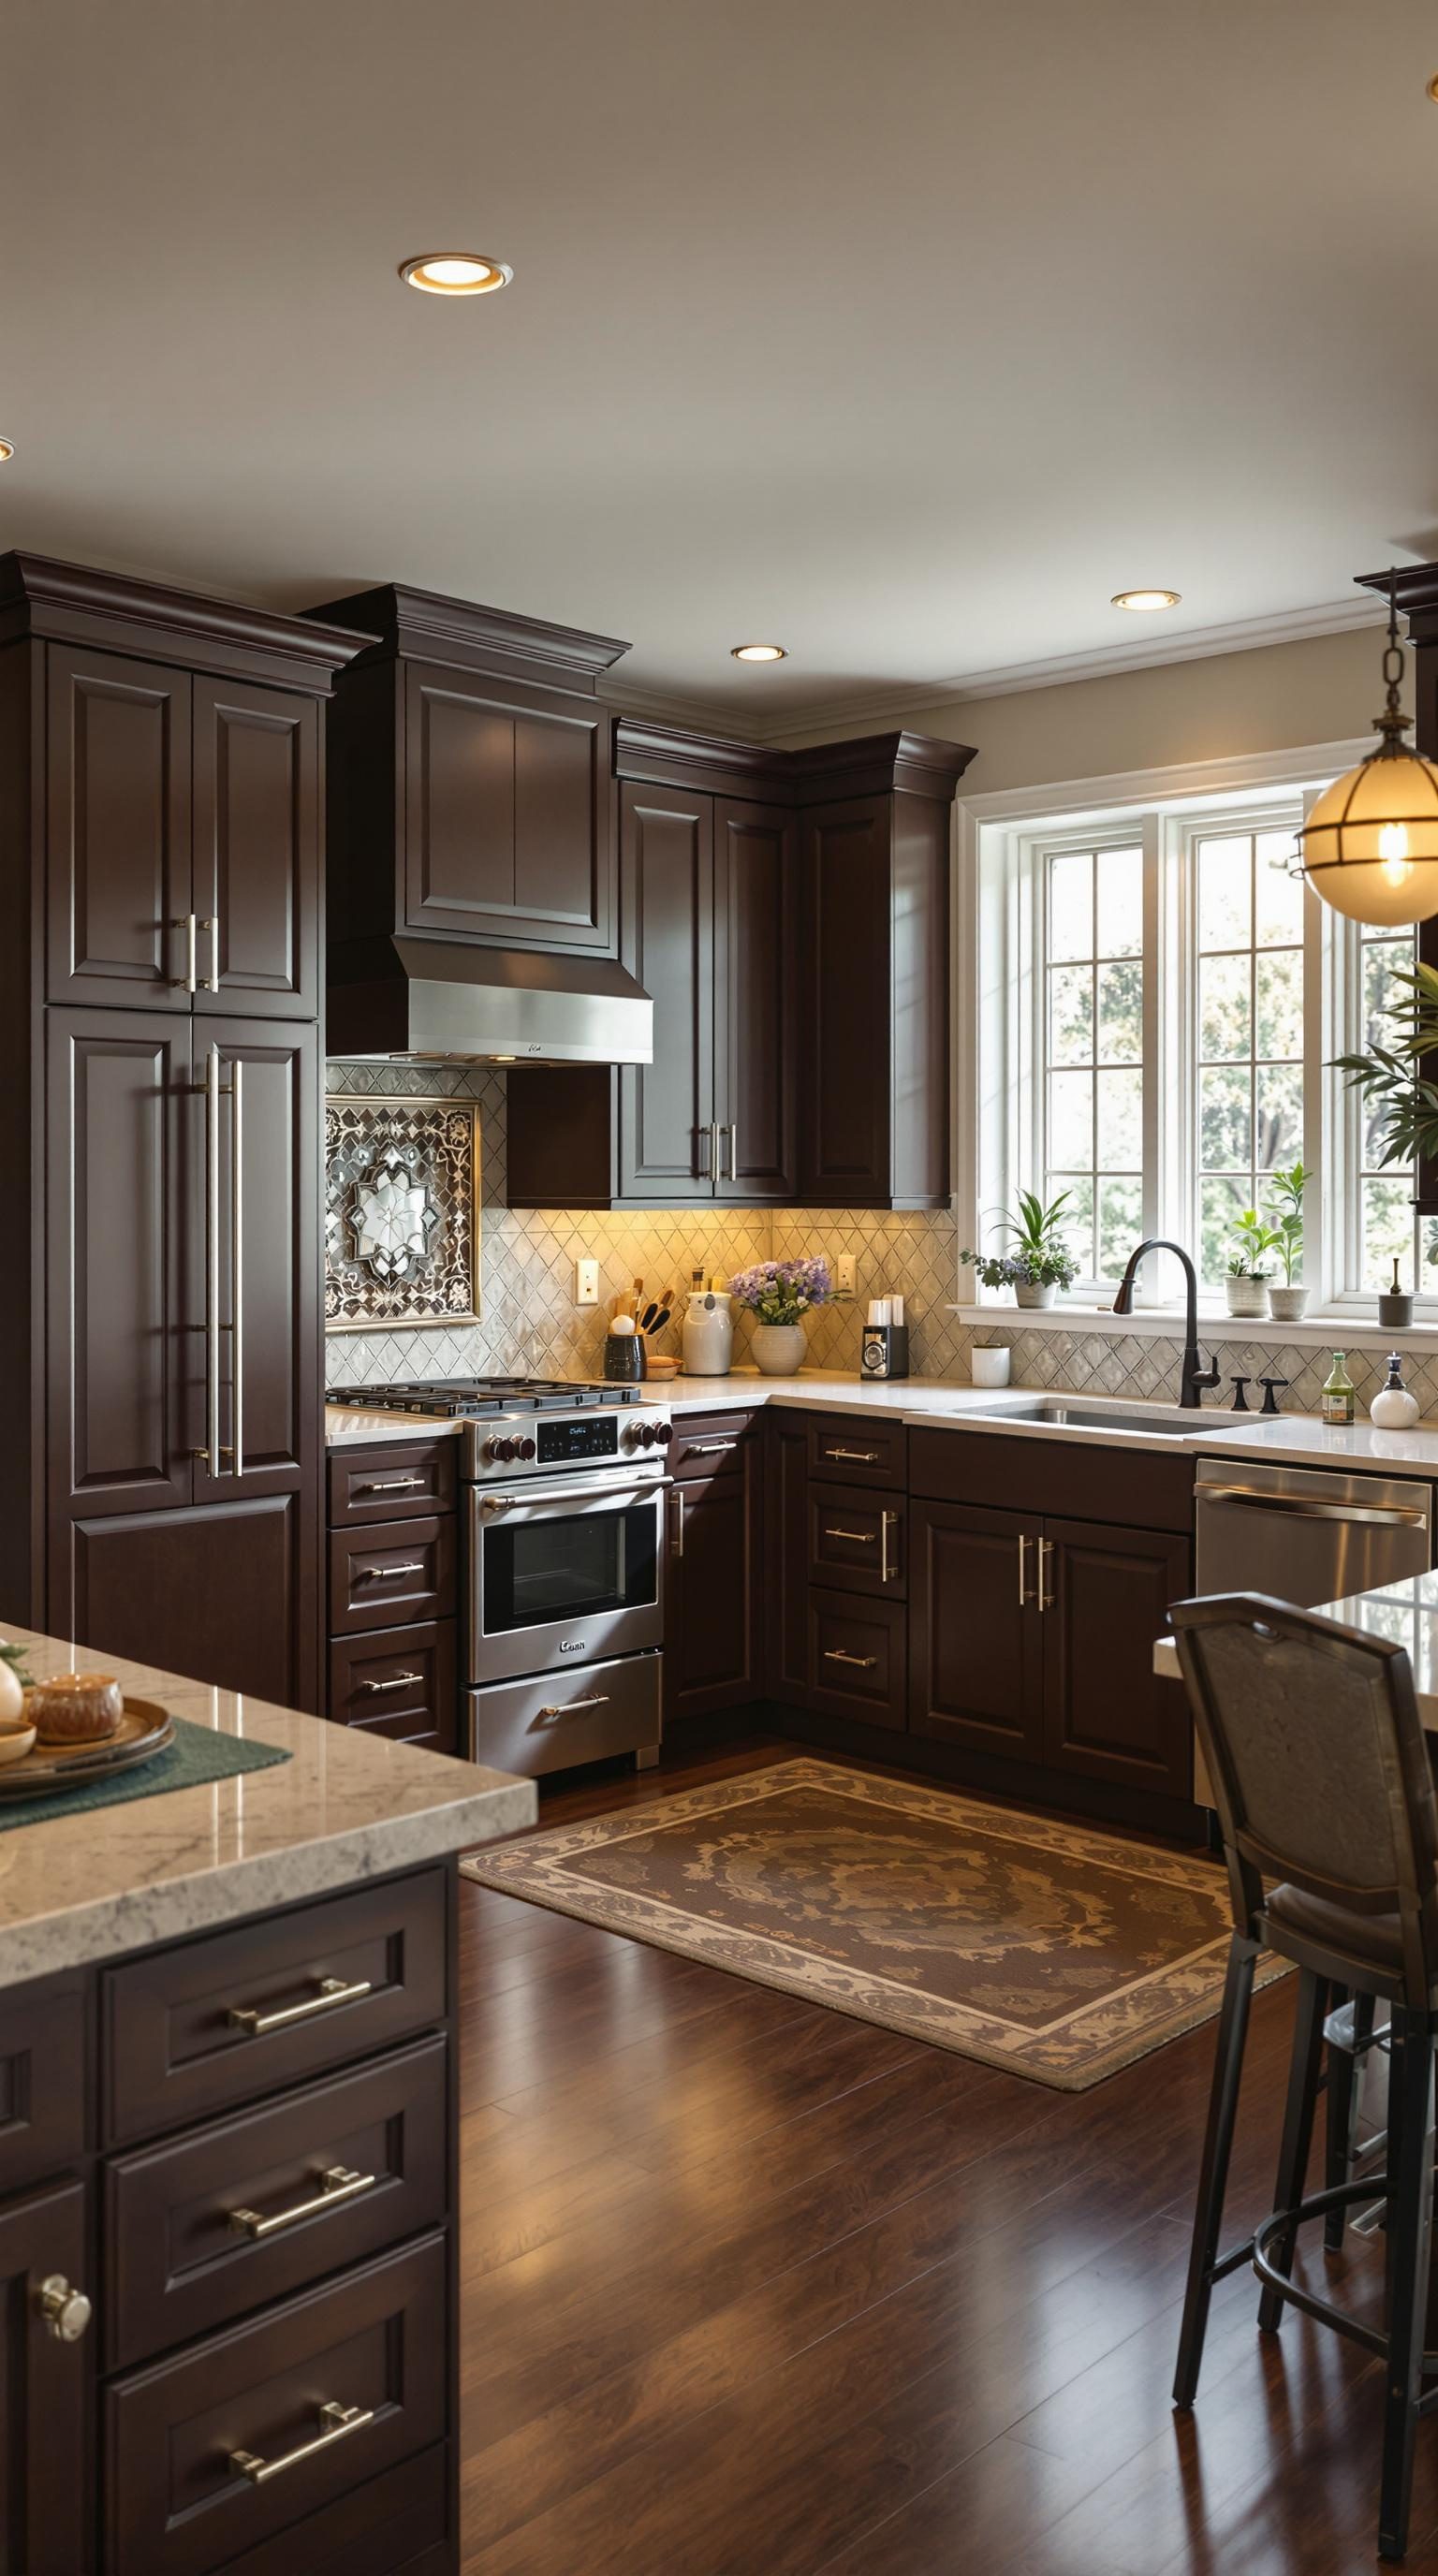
x: 348, y: 1805
x: 1405, y: 1613
x: 952, y: 1404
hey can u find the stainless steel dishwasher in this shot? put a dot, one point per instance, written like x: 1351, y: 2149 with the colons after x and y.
x: 1303, y: 1535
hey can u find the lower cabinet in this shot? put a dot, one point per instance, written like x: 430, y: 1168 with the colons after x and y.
x: 977, y: 1662
x: 235, y: 1582
x: 713, y: 1575
x: 46, y: 2445
x: 394, y: 1593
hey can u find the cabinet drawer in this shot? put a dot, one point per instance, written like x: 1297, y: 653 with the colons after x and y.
x: 186, y: 2440
x: 396, y: 1480
x: 857, y: 1450
x: 403, y: 2519
x: 400, y: 1682
x: 857, y: 1658
x: 45, y: 2080
x: 857, y: 1541
x: 264, y: 2202
x: 709, y: 1444
x: 387, y: 1577
x: 185, y: 2029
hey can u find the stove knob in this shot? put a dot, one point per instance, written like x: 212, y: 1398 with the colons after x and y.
x: 525, y: 1448
x: 502, y: 1450
x: 644, y: 1434
x: 663, y: 1434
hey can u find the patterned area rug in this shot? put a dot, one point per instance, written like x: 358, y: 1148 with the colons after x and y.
x: 1057, y: 1951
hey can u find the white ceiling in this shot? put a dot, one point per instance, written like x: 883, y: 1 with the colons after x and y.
x: 902, y: 335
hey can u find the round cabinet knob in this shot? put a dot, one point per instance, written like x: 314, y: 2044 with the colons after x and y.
x: 66, y: 2312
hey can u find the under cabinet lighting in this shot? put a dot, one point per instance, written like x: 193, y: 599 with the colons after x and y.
x: 758, y: 653
x: 455, y: 272
x: 1144, y: 601
x: 7, y: 450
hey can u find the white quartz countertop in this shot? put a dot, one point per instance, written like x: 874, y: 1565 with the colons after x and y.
x: 348, y: 1805
x: 1405, y: 1613
x: 951, y: 1403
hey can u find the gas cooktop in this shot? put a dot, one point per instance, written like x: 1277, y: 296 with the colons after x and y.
x: 471, y: 1398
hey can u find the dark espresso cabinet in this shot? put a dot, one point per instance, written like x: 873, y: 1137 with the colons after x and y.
x: 46, y: 2457
x: 161, y: 1353
x: 713, y: 1635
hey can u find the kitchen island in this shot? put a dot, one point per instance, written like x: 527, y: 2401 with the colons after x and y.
x: 1404, y: 1614
x: 228, y: 2158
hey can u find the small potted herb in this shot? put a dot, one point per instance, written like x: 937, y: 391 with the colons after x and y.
x: 1287, y: 1190
x: 778, y: 1295
x: 1040, y: 1262
x: 1250, y: 1267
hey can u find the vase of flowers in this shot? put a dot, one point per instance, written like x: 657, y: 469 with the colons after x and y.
x: 778, y: 1295
x: 1250, y: 1265
x: 1289, y: 1300
x: 1040, y: 1262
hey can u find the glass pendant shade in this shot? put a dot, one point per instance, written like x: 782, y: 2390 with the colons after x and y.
x: 1370, y: 845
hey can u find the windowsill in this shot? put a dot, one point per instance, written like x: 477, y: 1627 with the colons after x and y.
x: 1327, y: 1329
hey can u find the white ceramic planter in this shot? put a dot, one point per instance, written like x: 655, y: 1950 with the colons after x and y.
x: 1247, y: 1296
x: 779, y: 1349
x: 1029, y: 1293
x: 1288, y: 1304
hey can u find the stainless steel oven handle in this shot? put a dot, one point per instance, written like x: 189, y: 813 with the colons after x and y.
x: 539, y: 1501
x: 677, y: 1542
x: 596, y: 1699
x: 1250, y: 1498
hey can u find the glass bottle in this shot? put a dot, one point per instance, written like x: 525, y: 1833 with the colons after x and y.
x: 1338, y: 1396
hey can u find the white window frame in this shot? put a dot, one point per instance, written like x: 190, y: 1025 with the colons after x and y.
x: 999, y: 982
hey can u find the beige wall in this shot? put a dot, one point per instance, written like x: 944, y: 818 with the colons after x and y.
x: 1274, y: 698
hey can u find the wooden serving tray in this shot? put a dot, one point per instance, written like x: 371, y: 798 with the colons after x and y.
x: 144, y: 1730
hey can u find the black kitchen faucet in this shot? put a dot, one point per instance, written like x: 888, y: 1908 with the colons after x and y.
x: 1192, y: 1379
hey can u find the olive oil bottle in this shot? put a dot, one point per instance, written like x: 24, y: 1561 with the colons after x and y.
x: 1338, y: 1396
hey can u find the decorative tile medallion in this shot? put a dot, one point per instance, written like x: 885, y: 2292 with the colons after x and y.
x: 401, y: 1211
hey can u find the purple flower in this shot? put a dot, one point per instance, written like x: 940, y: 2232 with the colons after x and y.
x: 779, y: 1292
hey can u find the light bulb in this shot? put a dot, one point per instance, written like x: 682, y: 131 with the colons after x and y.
x: 1393, y: 852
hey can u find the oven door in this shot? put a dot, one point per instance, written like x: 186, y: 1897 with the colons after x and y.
x: 562, y: 1574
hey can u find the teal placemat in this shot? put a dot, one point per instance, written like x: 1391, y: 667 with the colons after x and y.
x: 197, y: 1755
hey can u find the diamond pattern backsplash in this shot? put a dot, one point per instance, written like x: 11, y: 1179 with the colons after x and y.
x: 530, y: 1321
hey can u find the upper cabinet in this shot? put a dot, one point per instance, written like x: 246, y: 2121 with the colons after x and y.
x: 180, y: 819
x: 469, y: 780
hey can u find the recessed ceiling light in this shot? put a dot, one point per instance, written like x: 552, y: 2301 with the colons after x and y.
x: 7, y: 450
x: 455, y: 272
x: 1145, y: 600
x: 759, y: 652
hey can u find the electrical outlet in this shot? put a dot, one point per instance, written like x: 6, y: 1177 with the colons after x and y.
x: 586, y: 1283
x: 844, y: 1275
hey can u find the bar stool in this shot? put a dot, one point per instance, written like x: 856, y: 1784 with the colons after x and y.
x: 1319, y: 1766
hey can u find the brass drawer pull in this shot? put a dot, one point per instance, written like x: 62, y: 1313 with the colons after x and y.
x: 861, y: 1538
x: 887, y: 1521
x: 338, y: 2421
x: 676, y: 1543
x: 861, y: 1663
x: 707, y: 1448
x: 212, y: 980
x: 333, y: 1991
x: 190, y: 980
x: 381, y: 1573
x: 338, y: 2183
x: 391, y: 1485
x: 66, y: 2312
x: 401, y: 1681
x: 1046, y: 1598
x: 860, y: 1457
x: 596, y: 1699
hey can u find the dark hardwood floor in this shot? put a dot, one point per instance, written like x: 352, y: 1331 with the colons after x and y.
x: 754, y: 2290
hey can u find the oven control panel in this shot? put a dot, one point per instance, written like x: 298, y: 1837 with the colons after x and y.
x: 557, y: 1443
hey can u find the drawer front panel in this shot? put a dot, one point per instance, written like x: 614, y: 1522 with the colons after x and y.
x: 224, y: 2446
x: 45, y: 2080
x: 709, y: 1444
x: 1080, y: 1479
x: 402, y: 2519
x: 857, y: 1658
x: 260, y: 2204
x: 852, y: 1449
x: 564, y: 1718
x: 396, y: 1480
x: 390, y: 1576
x: 188, y: 2032
x: 857, y: 1541
x: 400, y: 1682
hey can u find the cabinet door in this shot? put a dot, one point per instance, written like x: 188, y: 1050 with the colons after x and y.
x: 117, y: 831
x: 45, y: 2445
x: 1106, y: 1714
x: 667, y: 940
x: 255, y: 1259
x: 223, y: 1593
x: 507, y: 804
x: 117, y: 1105
x: 847, y: 1078
x: 755, y: 1018
x: 786, y: 1557
x: 256, y: 849
x: 976, y: 1666
x: 711, y: 1624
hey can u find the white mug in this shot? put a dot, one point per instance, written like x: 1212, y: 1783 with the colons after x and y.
x: 990, y: 1368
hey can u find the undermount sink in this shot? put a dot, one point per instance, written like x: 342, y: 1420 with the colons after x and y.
x: 1069, y: 1413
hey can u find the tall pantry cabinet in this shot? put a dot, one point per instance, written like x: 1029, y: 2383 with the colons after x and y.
x: 161, y: 1069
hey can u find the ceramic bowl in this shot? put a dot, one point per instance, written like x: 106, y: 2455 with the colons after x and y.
x: 15, y: 1743
x: 659, y: 1365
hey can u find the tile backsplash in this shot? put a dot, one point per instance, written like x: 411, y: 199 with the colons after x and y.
x: 529, y: 1321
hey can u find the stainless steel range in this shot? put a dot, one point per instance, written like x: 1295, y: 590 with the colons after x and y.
x: 563, y: 1504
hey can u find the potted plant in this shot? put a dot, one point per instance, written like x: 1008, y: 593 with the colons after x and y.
x: 1287, y: 1190
x: 1040, y: 1262
x: 779, y: 1294
x: 1250, y: 1268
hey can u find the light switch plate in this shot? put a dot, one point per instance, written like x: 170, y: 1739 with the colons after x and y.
x: 844, y: 1275
x: 586, y: 1283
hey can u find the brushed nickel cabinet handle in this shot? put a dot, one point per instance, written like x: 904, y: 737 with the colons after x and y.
x: 189, y: 979
x: 390, y: 1485
x: 339, y: 2422
x: 596, y: 1699
x: 862, y: 1663
x: 381, y: 1573
x: 212, y: 980
x: 333, y: 1992
x: 706, y: 1168
x: 676, y: 1544
x: 707, y: 1448
x: 237, y: 1270
x: 66, y: 2312
x: 887, y: 1521
x: 1046, y: 1549
x: 1025, y: 1595
x: 337, y: 2184
x: 212, y: 1454
x: 861, y: 1538
x: 733, y: 1149
x: 401, y: 1681
x: 859, y: 1457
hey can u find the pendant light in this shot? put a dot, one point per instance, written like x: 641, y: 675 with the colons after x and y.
x: 1370, y: 845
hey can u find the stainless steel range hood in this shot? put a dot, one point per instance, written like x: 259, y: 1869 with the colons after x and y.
x: 438, y: 1001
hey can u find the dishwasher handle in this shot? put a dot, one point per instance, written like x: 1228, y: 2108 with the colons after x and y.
x: 1250, y: 1498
